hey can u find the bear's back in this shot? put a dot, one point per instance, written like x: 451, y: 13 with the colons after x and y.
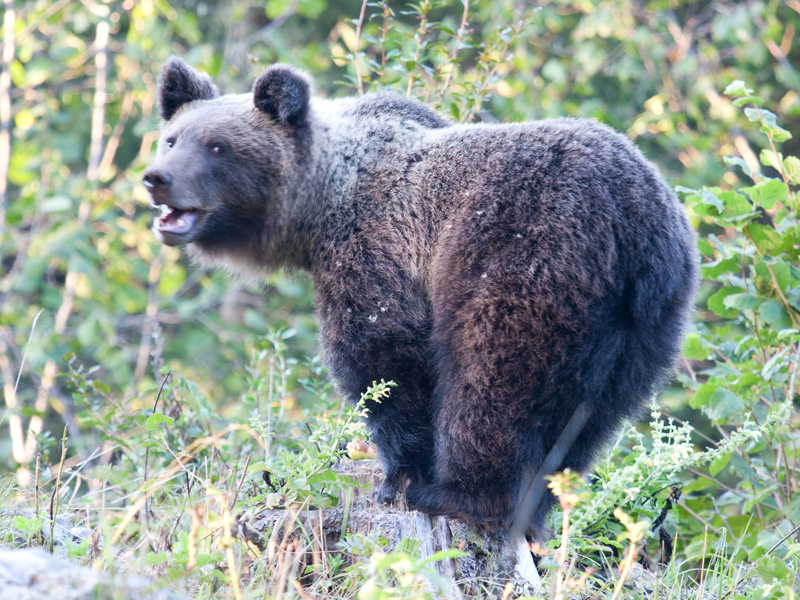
x: 573, y: 180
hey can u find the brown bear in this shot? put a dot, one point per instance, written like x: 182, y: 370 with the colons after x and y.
x: 501, y: 275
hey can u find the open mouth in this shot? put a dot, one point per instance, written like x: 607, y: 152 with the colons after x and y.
x: 175, y: 220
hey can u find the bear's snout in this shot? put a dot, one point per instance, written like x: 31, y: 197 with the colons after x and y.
x: 156, y: 179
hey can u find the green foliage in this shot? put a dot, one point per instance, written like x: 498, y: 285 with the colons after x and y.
x: 749, y: 342
x: 400, y: 573
x: 94, y: 312
x: 301, y: 476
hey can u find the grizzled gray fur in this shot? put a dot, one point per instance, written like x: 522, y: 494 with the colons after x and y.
x: 500, y: 274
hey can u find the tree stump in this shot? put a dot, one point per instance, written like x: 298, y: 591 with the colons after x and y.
x: 490, y: 564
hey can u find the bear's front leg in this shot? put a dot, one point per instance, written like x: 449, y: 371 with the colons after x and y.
x: 364, y: 346
x: 401, y: 425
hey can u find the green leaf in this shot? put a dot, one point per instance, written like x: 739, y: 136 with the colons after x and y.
x: 736, y: 89
x: 311, y: 9
x: 740, y: 162
x: 774, y: 313
x: 792, y: 510
x: 80, y: 264
x: 679, y: 189
x: 719, y: 267
x: 705, y: 247
x: 766, y: 238
x: 703, y: 393
x: 791, y: 168
x: 770, y: 126
x: 275, y: 8
x: 204, y: 559
x: 718, y: 464
x: 770, y: 568
x: 694, y: 349
x: 723, y: 404
x: 717, y: 305
x: 157, y: 419
x: 767, y: 193
x: 752, y: 114
x: 447, y: 30
x: 771, y: 159
x: 735, y: 204
x: 748, y: 100
x: 156, y: 558
x: 710, y: 199
x: 774, y: 364
x: 741, y: 301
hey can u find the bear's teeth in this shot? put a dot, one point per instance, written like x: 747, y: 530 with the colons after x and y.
x: 177, y: 220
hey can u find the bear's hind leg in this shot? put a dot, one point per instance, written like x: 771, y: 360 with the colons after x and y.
x: 483, y: 453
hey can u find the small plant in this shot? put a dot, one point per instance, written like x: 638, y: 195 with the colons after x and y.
x: 565, y: 486
x: 400, y: 573
x: 746, y: 349
x: 426, y: 55
x: 303, y: 476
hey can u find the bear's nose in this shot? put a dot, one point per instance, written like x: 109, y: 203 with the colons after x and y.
x: 156, y: 179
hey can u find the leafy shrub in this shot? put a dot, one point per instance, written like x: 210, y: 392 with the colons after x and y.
x: 747, y: 346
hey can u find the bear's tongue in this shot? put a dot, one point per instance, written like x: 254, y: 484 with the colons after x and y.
x: 175, y: 220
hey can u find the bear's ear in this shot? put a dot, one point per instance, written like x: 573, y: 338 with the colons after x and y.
x: 283, y: 93
x: 178, y: 84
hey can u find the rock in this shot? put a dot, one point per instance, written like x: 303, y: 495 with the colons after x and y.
x: 33, y: 574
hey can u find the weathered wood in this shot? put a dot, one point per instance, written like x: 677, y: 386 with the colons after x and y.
x: 490, y: 562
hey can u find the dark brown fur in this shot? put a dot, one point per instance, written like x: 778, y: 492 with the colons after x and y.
x: 500, y: 274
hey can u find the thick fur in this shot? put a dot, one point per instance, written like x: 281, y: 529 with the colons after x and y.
x: 500, y: 274
x: 179, y: 84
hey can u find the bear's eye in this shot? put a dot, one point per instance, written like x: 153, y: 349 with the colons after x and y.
x: 217, y: 149
x: 170, y: 142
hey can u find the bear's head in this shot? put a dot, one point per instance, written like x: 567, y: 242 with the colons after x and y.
x: 225, y: 174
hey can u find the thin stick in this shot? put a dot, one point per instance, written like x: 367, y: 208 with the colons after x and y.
x: 561, y: 556
x: 54, y: 498
x: 100, y: 97
x: 39, y: 539
x: 19, y: 443
x: 116, y: 136
x: 384, y: 29
x: 228, y: 541
x: 626, y: 567
x: 537, y: 488
x: 454, y: 53
x: 421, y: 33
x: 241, y: 481
x: 152, y: 412
x: 357, y: 44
